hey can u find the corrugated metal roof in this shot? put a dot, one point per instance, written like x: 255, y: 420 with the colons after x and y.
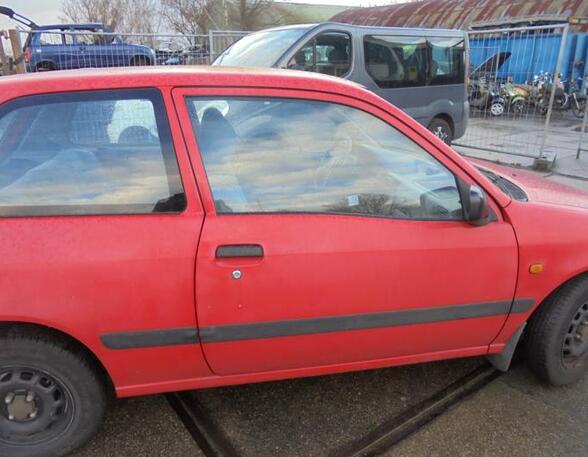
x: 462, y: 14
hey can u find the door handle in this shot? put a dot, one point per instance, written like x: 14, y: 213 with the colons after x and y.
x: 239, y: 250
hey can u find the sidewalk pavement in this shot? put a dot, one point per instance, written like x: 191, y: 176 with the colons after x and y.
x: 523, y: 136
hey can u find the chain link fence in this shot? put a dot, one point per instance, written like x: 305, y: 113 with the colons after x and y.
x: 520, y: 91
x: 46, y: 50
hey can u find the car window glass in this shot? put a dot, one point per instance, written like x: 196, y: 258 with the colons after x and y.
x: 53, y: 38
x: 394, y: 61
x: 88, y: 38
x: 4, y: 123
x: 283, y: 155
x: 328, y: 53
x: 96, y: 153
x: 447, y: 61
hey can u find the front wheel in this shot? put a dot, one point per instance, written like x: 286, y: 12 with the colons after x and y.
x: 557, y: 336
x: 441, y: 129
x: 51, y: 400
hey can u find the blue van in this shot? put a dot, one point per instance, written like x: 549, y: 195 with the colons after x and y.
x: 68, y: 46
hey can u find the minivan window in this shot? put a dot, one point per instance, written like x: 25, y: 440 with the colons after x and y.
x: 447, y: 60
x: 104, y: 152
x: 268, y: 155
x: 395, y: 61
x: 260, y: 49
x: 329, y: 53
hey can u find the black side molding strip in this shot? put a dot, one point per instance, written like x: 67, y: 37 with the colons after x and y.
x: 150, y: 338
x: 293, y: 327
x: 239, y: 250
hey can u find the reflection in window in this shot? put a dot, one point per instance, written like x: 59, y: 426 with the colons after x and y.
x: 329, y: 53
x: 260, y: 49
x: 88, y: 153
x: 283, y: 155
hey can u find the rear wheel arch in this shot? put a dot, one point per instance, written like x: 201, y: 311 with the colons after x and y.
x: 45, y: 65
x: 63, y: 339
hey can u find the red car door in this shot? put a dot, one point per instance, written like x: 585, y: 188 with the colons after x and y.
x: 320, y: 245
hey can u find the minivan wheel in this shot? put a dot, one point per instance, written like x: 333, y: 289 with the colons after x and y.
x: 441, y: 129
x: 51, y: 400
x: 557, y: 340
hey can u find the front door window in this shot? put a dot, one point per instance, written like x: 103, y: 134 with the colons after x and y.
x: 328, y: 53
x: 272, y: 155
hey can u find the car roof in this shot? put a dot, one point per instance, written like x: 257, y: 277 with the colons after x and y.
x: 85, y: 26
x: 195, y: 76
x: 373, y: 29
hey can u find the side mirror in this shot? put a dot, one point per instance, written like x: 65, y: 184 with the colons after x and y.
x: 476, y: 210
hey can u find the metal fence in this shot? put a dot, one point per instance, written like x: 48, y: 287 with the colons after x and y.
x: 62, y: 50
x: 520, y: 103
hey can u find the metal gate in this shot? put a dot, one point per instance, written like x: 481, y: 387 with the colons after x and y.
x: 520, y: 92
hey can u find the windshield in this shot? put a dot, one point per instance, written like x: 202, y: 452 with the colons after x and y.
x: 261, y: 49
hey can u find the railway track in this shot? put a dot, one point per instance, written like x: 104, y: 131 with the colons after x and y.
x: 214, y: 442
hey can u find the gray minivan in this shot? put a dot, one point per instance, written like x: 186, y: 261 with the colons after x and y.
x: 422, y: 71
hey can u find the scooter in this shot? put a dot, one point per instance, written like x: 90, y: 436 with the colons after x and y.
x: 516, y: 98
x: 486, y: 96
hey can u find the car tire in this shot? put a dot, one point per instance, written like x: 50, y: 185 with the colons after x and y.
x: 45, y: 66
x: 52, y: 400
x: 140, y: 61
x: 557, y: 335
x: 441, y: 129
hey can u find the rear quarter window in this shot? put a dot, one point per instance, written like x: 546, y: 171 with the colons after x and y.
x: 105, y: 152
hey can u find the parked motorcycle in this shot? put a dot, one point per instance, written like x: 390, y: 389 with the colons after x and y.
x: 561, y: 100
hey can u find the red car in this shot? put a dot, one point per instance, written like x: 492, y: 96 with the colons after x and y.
x: 183, y: 228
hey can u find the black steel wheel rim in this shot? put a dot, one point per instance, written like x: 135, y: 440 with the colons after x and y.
x: 575, y: 344
x: 35, y: 406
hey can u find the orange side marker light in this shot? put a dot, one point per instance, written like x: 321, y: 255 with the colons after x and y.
x: 536, y: 268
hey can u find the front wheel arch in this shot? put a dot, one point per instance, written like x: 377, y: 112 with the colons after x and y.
x: 443, y: 119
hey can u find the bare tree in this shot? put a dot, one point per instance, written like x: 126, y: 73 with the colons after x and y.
x: 247, y: 14
x: 193, y: 16
x: 131, y: 16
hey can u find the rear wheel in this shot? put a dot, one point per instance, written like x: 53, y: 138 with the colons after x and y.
x: 557, y: 338
x: 517, y: 107
x: 139, y: 61
x: 45, y: 66
x: 51, y: 400
x: 441, y: 129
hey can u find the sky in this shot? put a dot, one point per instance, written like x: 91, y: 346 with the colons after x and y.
x: 47, y: 11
